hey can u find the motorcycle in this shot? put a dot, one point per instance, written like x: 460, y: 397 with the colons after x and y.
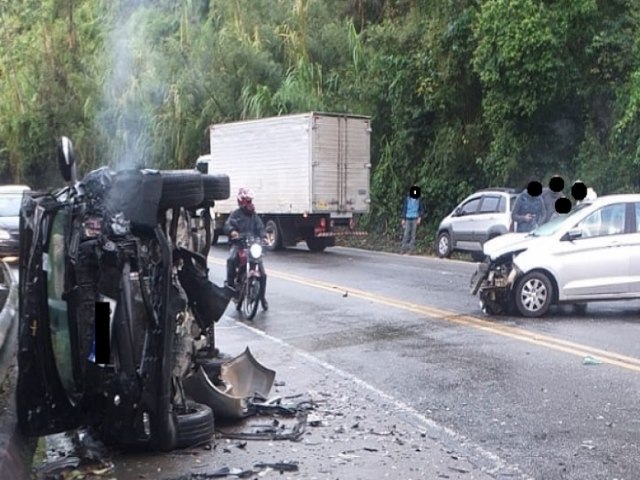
x: 248, y: 281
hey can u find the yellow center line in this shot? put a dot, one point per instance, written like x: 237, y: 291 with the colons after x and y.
x: 605, y: 356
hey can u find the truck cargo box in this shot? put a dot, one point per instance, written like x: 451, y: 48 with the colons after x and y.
x: 308, y: 163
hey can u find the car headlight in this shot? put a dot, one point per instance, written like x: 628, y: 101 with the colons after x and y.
x: 256, y: 250
x: 4, y: 234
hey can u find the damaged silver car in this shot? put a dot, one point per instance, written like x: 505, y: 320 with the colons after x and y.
x: 590, y: 254
x: 116, y: 307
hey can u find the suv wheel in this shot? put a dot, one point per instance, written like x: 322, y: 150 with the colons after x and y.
x: 443, y: 245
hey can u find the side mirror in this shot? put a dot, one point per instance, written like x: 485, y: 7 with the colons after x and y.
x: 66, y: 160
x: 573, y: 234
x: 457, y: 212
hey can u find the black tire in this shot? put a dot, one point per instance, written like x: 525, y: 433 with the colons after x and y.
x: 194, y: 426
x: 273, y: 235
x: 251, y: 298
x: 181, y: 188
x: 215, y: 187
x: 533, y: 294
x: 316, y: 244
x: 443, y: 245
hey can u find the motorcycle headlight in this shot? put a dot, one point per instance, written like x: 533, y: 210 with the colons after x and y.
x: 4, y: 234
x: 256, y: 250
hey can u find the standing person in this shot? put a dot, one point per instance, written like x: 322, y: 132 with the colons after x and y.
x: 529, y: 210
x: 550, y: 195
x: 245, y: 221
x: 412, y: 212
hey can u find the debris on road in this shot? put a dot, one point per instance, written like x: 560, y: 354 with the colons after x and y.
x: 589, y: 360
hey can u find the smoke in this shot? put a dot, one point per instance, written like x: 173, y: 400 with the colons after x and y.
x: 131, y: 90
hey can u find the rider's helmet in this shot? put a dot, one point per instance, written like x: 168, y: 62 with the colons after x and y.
x: 245, y: 198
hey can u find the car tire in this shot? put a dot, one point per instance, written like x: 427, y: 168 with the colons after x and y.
x: 533, y: 294
x: 181, y: 188
x: 194, y: 426
x: 215, y: 187
x: 443, y: 245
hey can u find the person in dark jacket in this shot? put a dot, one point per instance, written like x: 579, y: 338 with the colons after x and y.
x: 411, y: 216
x: 529, y: 210
x: 551, y: 195
x: 245, y: 221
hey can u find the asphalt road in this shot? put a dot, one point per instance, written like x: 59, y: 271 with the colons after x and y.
x: 523, y: 389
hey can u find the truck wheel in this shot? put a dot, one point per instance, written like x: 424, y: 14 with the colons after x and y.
x: 181, y: 188
x: 194, y: 426
x: 216, y: 187
x: 273, y: 235
x: 316, y: 244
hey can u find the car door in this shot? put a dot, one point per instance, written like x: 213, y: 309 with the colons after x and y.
x: 488, y: 215
x: 634, y: 251
x: 596, y: 264
x: 462, y: 225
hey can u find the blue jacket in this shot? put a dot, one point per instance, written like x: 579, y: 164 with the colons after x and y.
x: 412, y: 208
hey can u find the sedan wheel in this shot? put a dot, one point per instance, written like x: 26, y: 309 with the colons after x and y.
x: 533, y: 294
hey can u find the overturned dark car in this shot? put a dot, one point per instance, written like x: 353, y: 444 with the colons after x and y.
x: 116, y: 308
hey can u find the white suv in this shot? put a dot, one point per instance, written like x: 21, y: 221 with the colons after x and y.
x: 478, y: 218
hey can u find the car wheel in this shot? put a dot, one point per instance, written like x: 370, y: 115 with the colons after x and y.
x: 181, y: 188
x: 443, y: 245
x: 215, y: 187
x: 194, y: 426
x: 533, y: 294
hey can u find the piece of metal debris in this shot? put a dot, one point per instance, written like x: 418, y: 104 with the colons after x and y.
x: 279, y: 466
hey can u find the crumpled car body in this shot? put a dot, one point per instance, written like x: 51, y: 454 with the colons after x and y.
x: 116, y: 310
x: 590, y: 254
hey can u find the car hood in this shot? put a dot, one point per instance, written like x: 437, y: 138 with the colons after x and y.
x: 507, y: 243
x: 10, y: 223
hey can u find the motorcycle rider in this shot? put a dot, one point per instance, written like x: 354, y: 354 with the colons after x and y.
x: 245, y: 221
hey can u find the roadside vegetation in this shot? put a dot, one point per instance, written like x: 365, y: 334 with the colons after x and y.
x: 463, y: 94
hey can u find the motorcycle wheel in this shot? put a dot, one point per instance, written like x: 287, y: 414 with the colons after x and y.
x: 251, y: 298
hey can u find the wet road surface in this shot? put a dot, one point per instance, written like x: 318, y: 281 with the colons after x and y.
x: 522, y: 388
x: 554, y: 398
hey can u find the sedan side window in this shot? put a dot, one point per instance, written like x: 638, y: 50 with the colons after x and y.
x: 606, y: 221
x: 470, y: 207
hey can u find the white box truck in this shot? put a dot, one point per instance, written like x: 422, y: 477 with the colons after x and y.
x: 309, y: 173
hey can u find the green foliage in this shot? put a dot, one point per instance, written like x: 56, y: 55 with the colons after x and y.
x: 462, y: 94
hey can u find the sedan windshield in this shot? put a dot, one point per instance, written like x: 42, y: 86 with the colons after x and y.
x: 10, y: 204
x: 552, y: 226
